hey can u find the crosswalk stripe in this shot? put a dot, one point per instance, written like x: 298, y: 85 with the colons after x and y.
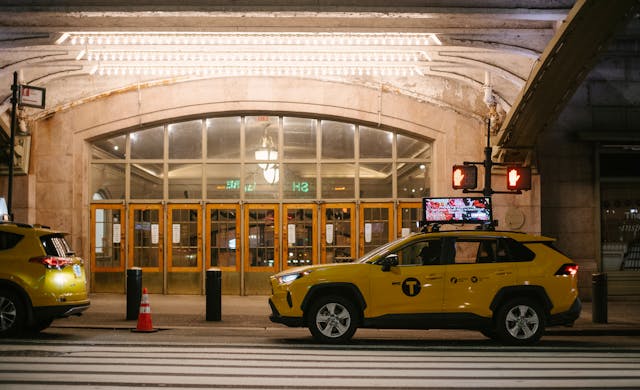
x: 260, y: 367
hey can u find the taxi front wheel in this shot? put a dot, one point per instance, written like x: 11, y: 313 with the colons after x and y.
x: 520, y: 321
x: 332, y: 319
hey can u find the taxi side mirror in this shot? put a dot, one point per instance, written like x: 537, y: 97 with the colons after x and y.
x: 388, y: 262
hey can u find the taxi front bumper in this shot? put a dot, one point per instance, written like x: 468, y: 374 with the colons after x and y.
x: 280, y: 319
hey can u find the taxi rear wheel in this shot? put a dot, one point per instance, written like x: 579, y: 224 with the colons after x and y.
x: 520, y: 321
x: 332, y: 319
x: 12, y: 313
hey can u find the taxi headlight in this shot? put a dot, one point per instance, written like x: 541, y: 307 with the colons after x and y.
x: 288, y: 278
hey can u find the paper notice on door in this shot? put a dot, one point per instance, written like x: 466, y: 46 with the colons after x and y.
x: 291, y: 233
x: 329, y: 233
x: 117, y: 231
x: 175, y: 230
x: 367, y: 232
x: 155, y: 233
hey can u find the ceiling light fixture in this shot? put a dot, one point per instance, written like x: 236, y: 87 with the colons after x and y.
x: 232, y: 54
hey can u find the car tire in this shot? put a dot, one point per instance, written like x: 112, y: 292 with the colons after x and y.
x: 520, y: 321
x: 12, y: 313
x: 333, y: 319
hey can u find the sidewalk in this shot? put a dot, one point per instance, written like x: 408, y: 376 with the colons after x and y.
x: 176, y: 311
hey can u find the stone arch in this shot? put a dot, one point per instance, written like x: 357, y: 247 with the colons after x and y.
x: 62, y: 139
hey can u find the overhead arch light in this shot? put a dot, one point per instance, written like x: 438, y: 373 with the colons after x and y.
x: 232, y: 54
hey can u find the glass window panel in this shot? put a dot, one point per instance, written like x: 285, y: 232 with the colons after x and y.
x: 223, y: 238
x: 378, y: 220
x: 223, y: 181
x: 185, y: 139
x: 185, y: 252
x: 337, y: 139
x: 376, y: 180
x: 300, y: 246
x: 409, y: 147
x: 261, y: 138
x: 111, y: 148
x: 299, y: 181
x: 337, y: 181
x: 375, y: 143
x: 261, y: 183
x: 413, y: 180
x: 262, y: 238
x: 411, y: 216
x: 146, y: 246
x: 338, y: 247
x: 146, y: 181
x: 185, y: 181
x: 223, y: 137
x: 107, y: 247
x: 108, y: 180
x: 299, y: 138
x: 148, y: 144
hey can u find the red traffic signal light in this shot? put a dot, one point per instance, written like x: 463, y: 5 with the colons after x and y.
x: 464, y: 177
x: 518, y: 178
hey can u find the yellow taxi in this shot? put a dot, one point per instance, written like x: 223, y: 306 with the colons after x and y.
x: 510, y: 286
x: 40, y: 278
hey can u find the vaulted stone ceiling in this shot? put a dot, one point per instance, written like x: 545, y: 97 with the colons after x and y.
x: 461, y: 55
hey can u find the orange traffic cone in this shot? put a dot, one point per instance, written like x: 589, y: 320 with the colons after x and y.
x: 144, y: 318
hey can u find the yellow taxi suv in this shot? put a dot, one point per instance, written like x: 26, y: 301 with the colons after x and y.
x: 510, y: 286
x: 507, y: 285
x: 40, y: 278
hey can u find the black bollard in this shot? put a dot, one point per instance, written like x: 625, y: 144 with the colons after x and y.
x: 599, y: 294
x: 213, y: 287
x: 134, y: 292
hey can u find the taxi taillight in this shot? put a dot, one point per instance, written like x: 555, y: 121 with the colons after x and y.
x: 569, y: 269
x: 52, y: 261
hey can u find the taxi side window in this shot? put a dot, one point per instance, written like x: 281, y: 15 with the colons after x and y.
x: 466, y: 252
x: 481, y: 251
x: 9, y: 240
x: 420, y: 253
x: 500, y: 250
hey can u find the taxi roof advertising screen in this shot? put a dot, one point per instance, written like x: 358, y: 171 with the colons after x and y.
x: 456, y: 210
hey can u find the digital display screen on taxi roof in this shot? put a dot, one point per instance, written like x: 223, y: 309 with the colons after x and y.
x: 456, y: 210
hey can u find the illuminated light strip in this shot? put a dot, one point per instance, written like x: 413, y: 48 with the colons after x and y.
x: 169, y: 56
x: 305, y: 39
x: 256, y: 71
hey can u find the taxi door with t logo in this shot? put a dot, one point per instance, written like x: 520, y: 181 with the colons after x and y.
x: 414, y: 286
x: 478, y: 271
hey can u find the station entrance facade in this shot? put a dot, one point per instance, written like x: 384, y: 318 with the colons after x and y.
x: 250, y: 195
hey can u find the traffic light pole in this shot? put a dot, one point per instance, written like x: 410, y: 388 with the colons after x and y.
x: 12, y: 141
x: 488, y: 167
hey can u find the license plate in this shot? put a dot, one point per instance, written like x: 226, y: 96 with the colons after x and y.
x: 77, y: 270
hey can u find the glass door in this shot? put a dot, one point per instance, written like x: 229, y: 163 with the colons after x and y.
x: 338, y: 232
x: 300, y: 234
x: 223, y: 244
x: 409, y: 218
x: 107, y: 248
x: 261, y: 240
x: 146, y: 235
x: 184, y: 249
x: 376, y: 225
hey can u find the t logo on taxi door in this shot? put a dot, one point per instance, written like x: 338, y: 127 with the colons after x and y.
x: 411, y: 287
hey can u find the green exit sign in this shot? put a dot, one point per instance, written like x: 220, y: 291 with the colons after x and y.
x: 300, y: 186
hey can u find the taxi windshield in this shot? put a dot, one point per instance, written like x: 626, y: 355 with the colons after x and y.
x: 374, y: 254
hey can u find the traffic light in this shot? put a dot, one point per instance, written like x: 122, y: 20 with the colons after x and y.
x: 464, y: 177
x: 518, y: 178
